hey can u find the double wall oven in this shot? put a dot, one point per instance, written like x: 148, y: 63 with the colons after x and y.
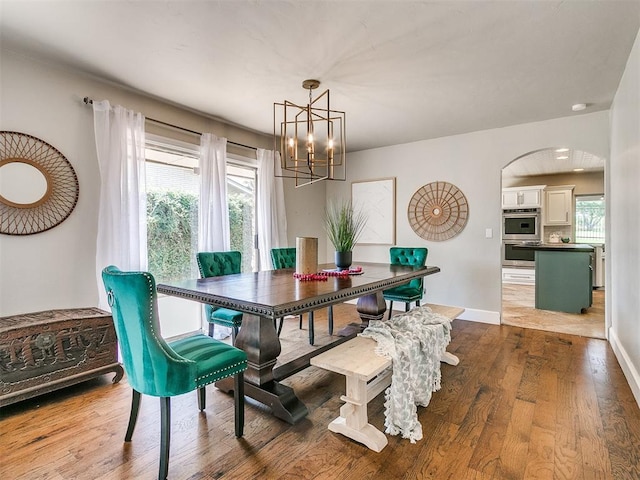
x: 520, y: 226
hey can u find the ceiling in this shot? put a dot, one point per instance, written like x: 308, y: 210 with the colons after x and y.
x: 401, y: 70
x: 550, y: 161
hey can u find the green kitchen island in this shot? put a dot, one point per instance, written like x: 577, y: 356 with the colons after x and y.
x: 564, y: 281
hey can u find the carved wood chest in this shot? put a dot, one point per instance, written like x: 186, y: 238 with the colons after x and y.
x: 44, y: 351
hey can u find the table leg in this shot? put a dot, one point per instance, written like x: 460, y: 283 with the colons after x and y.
x: 370, y: 307
x: 259, y: 340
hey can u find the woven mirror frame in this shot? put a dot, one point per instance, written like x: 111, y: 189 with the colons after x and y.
x: 61, y: 193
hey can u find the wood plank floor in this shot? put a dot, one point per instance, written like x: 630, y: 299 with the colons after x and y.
x: 522, y: 404
x: 518, y: 309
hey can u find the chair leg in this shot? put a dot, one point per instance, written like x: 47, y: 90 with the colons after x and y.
x: 202, y: 398
x: 417, y: 303
x: 407, y: 306
x: 238, y: 397
x: 311, y: 328
x: 133, y: 416
x: 211, y: 327
x: 330, y: 320
x: 165, y: 436
x: 279, y: 331
x: 300, y: 322
x: 234, y: 334
x: 390, y: 308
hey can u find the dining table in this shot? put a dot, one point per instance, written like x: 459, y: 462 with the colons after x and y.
x: 267, y: 295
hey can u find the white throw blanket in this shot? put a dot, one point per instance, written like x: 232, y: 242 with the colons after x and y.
x: 415, y: 342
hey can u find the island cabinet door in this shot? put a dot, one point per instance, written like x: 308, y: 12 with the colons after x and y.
x: 563, y: 281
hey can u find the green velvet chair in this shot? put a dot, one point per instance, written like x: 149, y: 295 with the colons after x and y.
x: 286, y: 258
x: 216, y: 264
x: 414, y: 290
x: 165, y: 369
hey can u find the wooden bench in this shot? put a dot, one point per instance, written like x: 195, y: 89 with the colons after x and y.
x: 367, y: 374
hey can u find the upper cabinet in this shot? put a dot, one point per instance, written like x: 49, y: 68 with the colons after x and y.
x: 522, y: 197
x: 558, y: 205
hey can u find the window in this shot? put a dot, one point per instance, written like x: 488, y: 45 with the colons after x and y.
x: 173, y: 188
x: 589, y: 219
x: 173, y: 191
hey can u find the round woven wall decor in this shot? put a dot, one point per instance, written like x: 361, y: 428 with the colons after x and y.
x: 62, y: 189
x: 438, y: 211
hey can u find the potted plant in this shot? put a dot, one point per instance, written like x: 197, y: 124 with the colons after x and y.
x: 344, y: 225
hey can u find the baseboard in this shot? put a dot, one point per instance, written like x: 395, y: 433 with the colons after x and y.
x: 481, y: 316
x: 629, y: 370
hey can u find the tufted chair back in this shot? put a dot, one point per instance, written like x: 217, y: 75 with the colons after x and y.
x: 414, y: 256
x: 216, y: 264
x: 283, y: 257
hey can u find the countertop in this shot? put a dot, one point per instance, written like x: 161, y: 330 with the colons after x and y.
x: 563, y: 247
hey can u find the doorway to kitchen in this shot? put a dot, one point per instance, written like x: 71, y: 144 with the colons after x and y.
x: 556, y: 183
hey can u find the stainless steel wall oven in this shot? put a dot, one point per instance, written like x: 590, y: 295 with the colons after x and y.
x: 521, y: 224
x: 516, y: 257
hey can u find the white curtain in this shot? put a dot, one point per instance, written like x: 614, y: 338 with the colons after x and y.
x: 213, y: 231
x: 122, y: 216
x: 272, y: 218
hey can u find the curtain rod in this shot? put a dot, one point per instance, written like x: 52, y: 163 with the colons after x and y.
x: 89, y: 101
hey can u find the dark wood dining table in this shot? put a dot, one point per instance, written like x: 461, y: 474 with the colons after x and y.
x: 271, y: 294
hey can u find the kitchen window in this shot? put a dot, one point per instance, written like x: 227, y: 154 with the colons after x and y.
x: 589, y: 219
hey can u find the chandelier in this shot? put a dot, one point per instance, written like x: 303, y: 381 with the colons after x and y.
x: 310, y: 139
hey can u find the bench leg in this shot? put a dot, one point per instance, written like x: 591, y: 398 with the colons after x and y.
x: 449, y: 358
x: 353, y: 421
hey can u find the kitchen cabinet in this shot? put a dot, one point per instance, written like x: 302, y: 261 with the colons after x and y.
x: 519, y: 276
x: 522, y: 197
x: 558, y: 205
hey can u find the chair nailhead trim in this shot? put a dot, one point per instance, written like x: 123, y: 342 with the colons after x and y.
x: 222, y: 370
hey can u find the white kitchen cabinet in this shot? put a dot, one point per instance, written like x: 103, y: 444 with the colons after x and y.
x: 522, y: 197
x: 558, y: 205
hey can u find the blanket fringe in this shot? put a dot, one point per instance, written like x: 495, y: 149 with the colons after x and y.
x: 414, y: 341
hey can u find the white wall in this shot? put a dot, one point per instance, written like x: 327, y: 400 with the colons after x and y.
x: 470, y: 263
x: 305, y: 213
x: 623, y: 201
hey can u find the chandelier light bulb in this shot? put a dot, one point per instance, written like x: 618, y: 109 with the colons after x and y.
x: 292, y: 149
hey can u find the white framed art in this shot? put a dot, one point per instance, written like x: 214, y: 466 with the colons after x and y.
x: 377, y: 200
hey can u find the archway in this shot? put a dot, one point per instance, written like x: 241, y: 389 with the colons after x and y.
x: 546, y: 175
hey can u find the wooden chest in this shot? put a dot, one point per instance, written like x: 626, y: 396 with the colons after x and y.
x: 44, y: 351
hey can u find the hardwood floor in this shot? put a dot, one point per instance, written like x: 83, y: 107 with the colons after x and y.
x: 518, y: 309
x: 522, y: 404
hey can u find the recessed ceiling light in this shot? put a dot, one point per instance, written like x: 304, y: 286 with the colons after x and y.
x: 561, y: 150
x: 578, y: 169
x: 562, y: 157
x: 578, y: 106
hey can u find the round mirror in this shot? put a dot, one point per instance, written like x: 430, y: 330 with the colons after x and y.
x: 22, y: 183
